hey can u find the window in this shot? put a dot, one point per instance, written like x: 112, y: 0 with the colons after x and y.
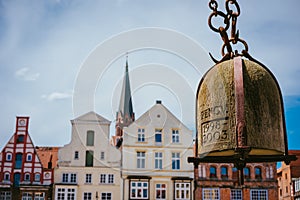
x: 257, y: 172
x: 175, y: 136
x: 106, y: 178
x: 102, y: 155
x: 29, y: 157
x: 158, y: 160
x: 26, y: 196
x: 160, y: 191
x: 224, y: 172
x: 76, y: 155
x: 39, y: 196
x: 17, y: 178
x: 18, y: 164
x: 71, y: 194
x: 211, y: 194
x: 297, y: 185
x: 5, y: 195
x: 73, y: 178
x: 6, y: 176
x: 106, y: 196
x: 175, y: 160
x: 60, y: 194
x: 88, y: 178
x: 234, y: 173
x: 90, y: 138
x: 202, y: 171
x: 87, y: 196
x: 182, y: 191
x: 257, y: 194
x: 141, y: 157
x: 139, y: 190
x: 20, y: 139
x: 158, y: 138
x: 27, y: 177
x: 212, y: 172
x: 286, y: 189
x: 236, y: 194
x: 89, y: 158
x: 8, y: 156
x: 69, y: 178
x: 141, y: 135
x: 247, y: 173
x: 37, y: 177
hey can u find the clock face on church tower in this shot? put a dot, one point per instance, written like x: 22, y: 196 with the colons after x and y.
x: 22, y: 122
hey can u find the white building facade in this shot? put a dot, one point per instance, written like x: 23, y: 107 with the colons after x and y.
x: 154, y: 157
x: 88, y: 167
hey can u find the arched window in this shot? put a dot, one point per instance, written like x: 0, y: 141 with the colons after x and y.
x: 6, y: 176
x: 234, y: 173
x: 257, y: 172
x: 27, y: 177
x: 247, y: 173
x: 224, y: 172
x: 8, y: 156
x: 29, y: 157
x: 212, y: 172
x: 18, y: 163
x: 90, y: 138
x: 37, y: 177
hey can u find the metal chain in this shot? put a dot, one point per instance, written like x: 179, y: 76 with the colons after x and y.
x: 230, y: 20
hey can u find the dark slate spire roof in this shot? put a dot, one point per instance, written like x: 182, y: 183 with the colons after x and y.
x: 125, y: 107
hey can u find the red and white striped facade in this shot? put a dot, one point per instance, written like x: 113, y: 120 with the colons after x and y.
x: 19, y: 162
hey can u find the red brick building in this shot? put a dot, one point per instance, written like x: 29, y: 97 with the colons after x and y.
x: 22, y: 173
x: 288, y: 177
x: 221, y: 181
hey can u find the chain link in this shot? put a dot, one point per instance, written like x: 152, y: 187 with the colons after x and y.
x: 230, y: 20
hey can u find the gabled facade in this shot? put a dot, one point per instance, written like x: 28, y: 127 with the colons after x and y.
x: 22, y: 175
x: 89, y: 166
x: 154, y: 157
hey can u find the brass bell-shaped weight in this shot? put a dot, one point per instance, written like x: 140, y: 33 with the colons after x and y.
x: 239, y: 106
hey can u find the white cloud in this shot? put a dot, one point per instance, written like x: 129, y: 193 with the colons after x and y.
x: 57, y: 96
x: 26, y: 75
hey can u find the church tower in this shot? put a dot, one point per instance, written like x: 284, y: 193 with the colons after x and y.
x: 125, y: 114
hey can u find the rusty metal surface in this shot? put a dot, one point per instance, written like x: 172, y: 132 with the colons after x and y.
x: 239, y: 102
x: 220, y: 111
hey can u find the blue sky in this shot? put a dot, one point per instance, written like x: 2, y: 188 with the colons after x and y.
x: 46, y: 44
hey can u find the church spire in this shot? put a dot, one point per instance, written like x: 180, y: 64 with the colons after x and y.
x: 125, y: 114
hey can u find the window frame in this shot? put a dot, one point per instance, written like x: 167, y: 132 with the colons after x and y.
x: 258, y: 173
x: 184, y: 190
x: 141, y: 159
x: 88, y: 178
x: 175, y: 136
x: 161, y: 190
x: 211, y: 193
x: 141, y: 135
x: 141, y: 186
x: 175, y: 160
x: 90, y: 138
x: 258, y: 194
x: 212, y: 172
x: 158, y: 136
x: 236, y: 194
